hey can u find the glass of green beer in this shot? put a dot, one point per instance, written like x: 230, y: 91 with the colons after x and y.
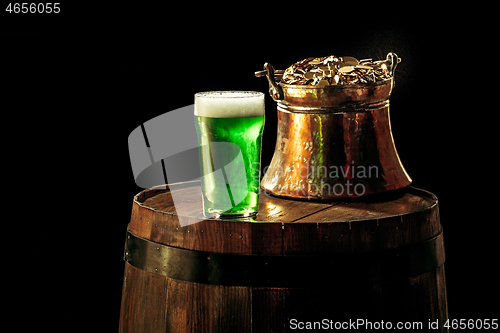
x: 229, y: 125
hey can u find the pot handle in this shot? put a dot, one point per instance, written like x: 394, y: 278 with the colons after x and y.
x: 394, y: 61
x: 274, y: 89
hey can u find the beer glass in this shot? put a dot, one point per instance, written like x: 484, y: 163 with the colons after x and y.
x: 229, y: 125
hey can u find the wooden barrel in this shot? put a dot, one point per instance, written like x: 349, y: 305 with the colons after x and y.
x: 370, y: 263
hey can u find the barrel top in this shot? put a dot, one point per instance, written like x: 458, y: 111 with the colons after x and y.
x: 275, y: 209
x: 287, y: 227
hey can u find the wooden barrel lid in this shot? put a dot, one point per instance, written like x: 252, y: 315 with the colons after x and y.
x: 284, y: 226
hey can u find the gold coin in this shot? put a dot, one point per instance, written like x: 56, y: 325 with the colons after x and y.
x: 346, y: 69
x: 364, y: 67
x: 350, y: 61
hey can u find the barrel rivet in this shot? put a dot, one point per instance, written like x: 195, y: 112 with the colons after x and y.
x: 189, y: 231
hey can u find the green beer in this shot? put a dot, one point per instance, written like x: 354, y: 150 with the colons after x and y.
x: 229, y: 125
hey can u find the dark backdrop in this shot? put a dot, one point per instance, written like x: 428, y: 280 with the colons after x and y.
x: 75, y: 85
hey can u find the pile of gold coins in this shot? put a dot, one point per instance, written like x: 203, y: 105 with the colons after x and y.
x: 334, y: 70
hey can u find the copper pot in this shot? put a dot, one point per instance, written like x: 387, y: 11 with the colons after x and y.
x: 333, y: 141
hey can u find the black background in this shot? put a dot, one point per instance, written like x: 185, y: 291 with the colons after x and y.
x: 75, y: 84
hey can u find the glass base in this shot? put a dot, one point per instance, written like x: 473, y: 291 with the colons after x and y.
x: 230, y: 216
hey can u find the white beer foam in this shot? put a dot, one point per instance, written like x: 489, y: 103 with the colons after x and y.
x: 229, y: 104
